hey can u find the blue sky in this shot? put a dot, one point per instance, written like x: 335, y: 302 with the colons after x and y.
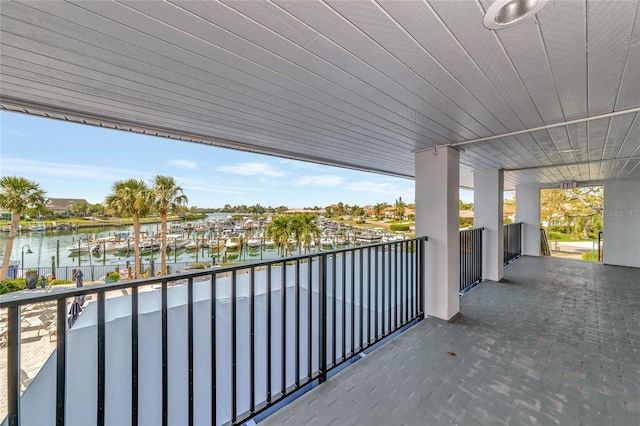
x: 71, y: 160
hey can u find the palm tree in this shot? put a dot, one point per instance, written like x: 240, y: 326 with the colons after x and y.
x: 305, y: 229
x: 399, y: 209
x: 169, y: 197
x: 131, y: 198
x: 378, y: 209
x: 17, y: 194
x: 278, y: 231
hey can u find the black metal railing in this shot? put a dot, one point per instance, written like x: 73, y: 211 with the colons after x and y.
x: 512, y: 238
x: 96, y: 272
x: 470, y: 257
x: 600, y: 241
x: 224, y: 344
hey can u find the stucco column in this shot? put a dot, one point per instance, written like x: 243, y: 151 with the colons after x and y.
x: 437, y: 217
x: 488, y: 200
x: 528, y: 212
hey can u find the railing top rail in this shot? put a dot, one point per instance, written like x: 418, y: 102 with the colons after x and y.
x: 512, y: 224
x: 473, y: 229
x: 38, y: 295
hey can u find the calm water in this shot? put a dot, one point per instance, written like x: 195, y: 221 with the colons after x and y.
x: 48, y: 244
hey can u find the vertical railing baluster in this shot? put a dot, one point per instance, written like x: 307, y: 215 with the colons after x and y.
x: 134, y: 356
x: 101, y: 358
x: 297, y: 325
x: 344, y: 305
x: 387, y: 247
x: 165, y: 357
x: 322, y: 313
x: 214, y: 352
x: 61, y: 360
x: 368, y: 296
x: 422, y: 280
x: 400, y: 257
x: 13, y: 365
x: 353, y: 302
x: 383, y: 288
x: 190, y: 346
x: 252, y: 341
x: 268, y: 297
x: 234, y: 349
x: 309, y: 318
x: 413, y: 263
x: 361, y: 270
x: 283, y: 328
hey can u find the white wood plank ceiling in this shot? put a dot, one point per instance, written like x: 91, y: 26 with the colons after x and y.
x: 360, y: 84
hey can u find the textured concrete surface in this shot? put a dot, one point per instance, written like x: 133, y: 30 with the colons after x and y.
x: 556, y: 343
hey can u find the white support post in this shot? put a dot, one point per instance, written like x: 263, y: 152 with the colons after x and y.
x: 488, y: 200
x: 528, y: 212
x: 437, y: 217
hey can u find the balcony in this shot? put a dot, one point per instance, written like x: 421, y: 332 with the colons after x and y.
x: 558, y: 342
x: 141, y: 351
x: 555, y: 343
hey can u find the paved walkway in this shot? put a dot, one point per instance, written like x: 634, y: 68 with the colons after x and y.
x: 556, y: 343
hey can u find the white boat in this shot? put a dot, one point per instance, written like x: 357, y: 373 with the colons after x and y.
x: 83, y: 247
x: 269, y: 244
x: 38, y: 227
x: 176, y: 242
x: 254, y: 242
x: 232, y: 243
x: 326, y: 243
x: 369, y: 238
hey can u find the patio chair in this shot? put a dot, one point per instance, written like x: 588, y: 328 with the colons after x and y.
x: 48, y: 323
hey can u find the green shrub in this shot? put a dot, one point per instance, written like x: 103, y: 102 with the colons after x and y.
x: 58, y: 282
x: 555, y: 235
x: 200, y: 265
x: 398, y: 227
x: 589, y: 256
x: 9, y: 286
x: 113, y: 276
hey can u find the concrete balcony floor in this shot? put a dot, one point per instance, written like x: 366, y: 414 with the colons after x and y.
x: 557, y: 342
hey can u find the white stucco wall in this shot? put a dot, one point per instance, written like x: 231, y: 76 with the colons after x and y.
x: 622, y: 223
x: 528, y: 212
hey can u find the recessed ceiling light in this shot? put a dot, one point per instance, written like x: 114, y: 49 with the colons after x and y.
x: 505, y: 13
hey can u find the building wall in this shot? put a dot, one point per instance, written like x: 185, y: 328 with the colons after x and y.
x: 622, y: 223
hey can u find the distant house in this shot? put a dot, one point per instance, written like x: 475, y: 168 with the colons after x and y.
x: 62, y: 206
x: 390, y: 212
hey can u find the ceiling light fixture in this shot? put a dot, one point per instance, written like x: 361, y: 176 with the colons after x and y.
x: 505, y: 13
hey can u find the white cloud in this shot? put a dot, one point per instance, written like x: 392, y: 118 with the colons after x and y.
x: 184, y: 163
x: 323, y: 181
x: 253, y: 169
x: 26, y: 167
x: 368, y: 186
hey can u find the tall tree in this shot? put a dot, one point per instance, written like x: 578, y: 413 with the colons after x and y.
x: 131, y: 198
x: 168, y: 197
x: 378, y: 209
x: 80, y: 208
x: 304, y: 229
x: 279, y: 231
x: 398, y: 210
x: 17, y: 194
